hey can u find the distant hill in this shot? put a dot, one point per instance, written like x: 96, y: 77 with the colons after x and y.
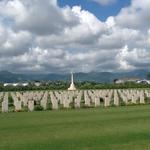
x: 103, y: 77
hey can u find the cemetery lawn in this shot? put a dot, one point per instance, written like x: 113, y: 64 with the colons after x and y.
x: 122, y: 128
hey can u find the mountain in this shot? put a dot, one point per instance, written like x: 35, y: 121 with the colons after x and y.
x: 104, y: 77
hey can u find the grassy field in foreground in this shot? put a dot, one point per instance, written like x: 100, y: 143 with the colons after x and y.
x: 123, y: 128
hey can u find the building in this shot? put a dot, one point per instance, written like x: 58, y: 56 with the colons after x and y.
x: 16, y: 84
x: 124, y: 80
x: 143, y: 81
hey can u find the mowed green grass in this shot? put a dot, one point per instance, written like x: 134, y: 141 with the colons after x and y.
x: 122, y: 128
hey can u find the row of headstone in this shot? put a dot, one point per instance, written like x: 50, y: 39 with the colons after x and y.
x: 68, y: 99
x: 17, y: 102
x: 44, y: 100
x: 54, y: 100
x: 78, y: 99
x: 133, y: 96
x: 5, y: 103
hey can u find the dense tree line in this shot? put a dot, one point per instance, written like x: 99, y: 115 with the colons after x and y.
x: 62, y: 85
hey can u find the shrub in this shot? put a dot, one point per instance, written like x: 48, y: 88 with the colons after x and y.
x: 38, y: 108
x: 25, y: 108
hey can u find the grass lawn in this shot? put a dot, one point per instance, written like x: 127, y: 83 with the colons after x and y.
x: 122, y: 128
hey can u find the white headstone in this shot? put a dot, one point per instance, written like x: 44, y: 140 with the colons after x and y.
x: 31, y: 105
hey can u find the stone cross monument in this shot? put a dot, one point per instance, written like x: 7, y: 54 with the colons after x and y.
x: 72, y: 86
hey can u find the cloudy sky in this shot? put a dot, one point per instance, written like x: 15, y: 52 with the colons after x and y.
x: 59, y: 36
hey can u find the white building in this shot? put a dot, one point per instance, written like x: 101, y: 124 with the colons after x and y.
x: 144, y: 81
x: 16, y: 84
x: 128, y: 79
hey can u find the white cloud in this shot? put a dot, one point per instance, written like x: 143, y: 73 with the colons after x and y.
x: 110, y: 22
x: 2, y: 34
x: 61, y: 39
x: 15, y: 43
x: 121, y: 59
x: 135, y: 16
x: 39, y: 17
